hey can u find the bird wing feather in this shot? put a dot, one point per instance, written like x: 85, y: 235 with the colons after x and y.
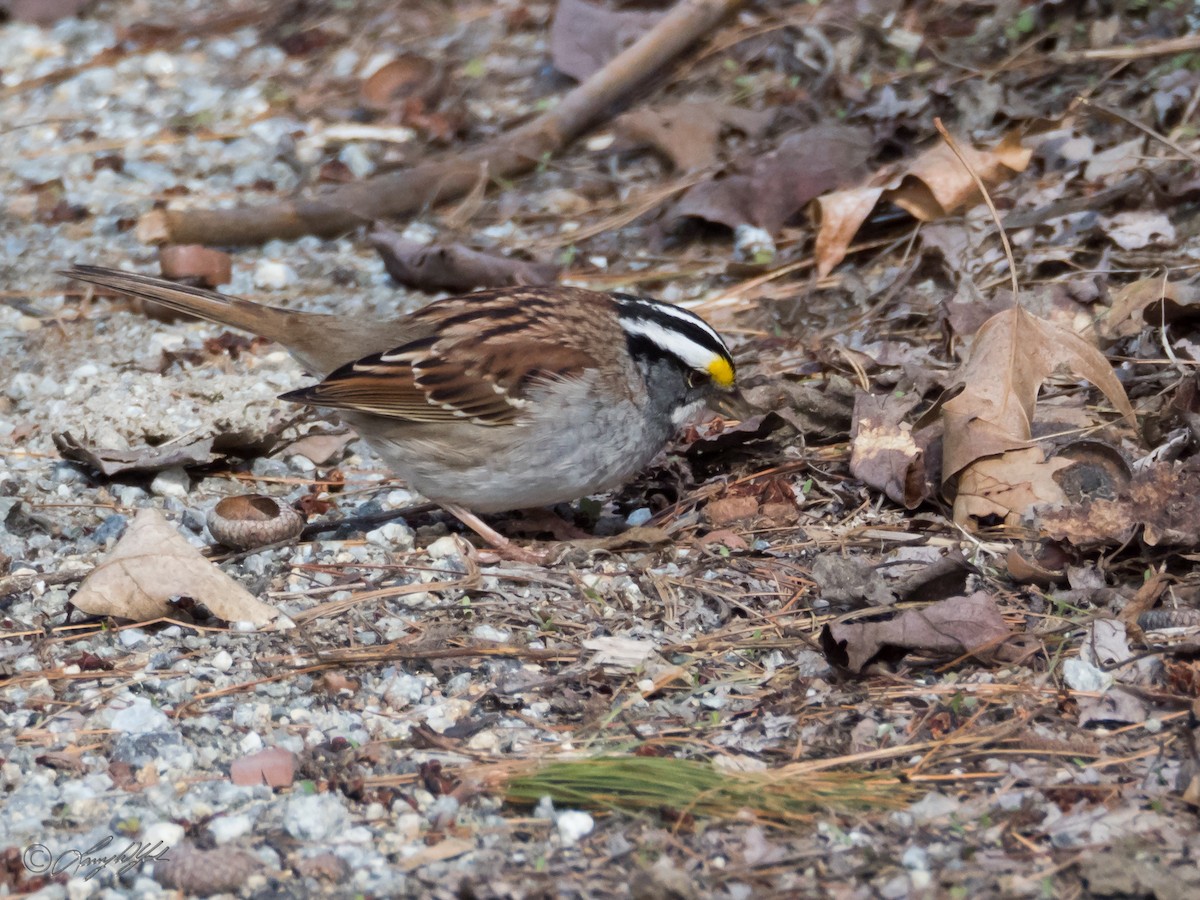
x: 488, y: 351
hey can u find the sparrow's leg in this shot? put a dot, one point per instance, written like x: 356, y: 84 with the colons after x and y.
x: 502, y: 545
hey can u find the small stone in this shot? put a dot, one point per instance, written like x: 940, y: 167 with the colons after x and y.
x: 223, y: 661
x: 639, y: 517
x: 443, y: 811
x: 490, y: 633
x: 273, y: 276
x: 446, y: 547
x: 573, y: 824
x: 139, y: 717
x: 172, y: 482
x: 392, y: 536
x: 403, y: 690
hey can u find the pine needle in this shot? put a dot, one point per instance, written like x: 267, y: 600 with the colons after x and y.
x: 688, y: 787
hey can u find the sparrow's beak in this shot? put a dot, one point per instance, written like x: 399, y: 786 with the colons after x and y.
x: 733, y: 405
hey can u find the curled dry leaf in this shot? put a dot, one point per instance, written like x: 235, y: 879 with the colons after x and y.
x: 151, y: 564
x: 929, y: 188
x: 453, y: 267
x: 954, y: 626
x: 584, y: 36
x: 884, y: 452
x: 144, y: 459
x: 1008, y: 485
x: 1029, y: 569
x: 1149, y: 301
x: 989, y: 424
x: 395, y: 81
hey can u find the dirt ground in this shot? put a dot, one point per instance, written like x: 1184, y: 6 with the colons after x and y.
x: 924, y: 627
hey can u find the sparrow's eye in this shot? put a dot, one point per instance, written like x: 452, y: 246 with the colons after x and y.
x: 696, y: 378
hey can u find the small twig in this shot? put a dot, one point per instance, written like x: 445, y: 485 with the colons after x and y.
x: 1186, y: 44
x: 1145, y: 129
x: 510, y: 154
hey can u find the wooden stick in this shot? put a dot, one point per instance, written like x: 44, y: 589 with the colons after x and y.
x: 345, y: 207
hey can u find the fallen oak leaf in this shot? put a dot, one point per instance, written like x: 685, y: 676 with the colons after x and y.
x: 1009, y: 484
x: 1014, y: 353
x: 937, y: 183
x: 153, y: 563
x: 954, y: 626
x: 687, y: 133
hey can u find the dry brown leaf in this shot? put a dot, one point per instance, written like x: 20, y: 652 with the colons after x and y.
x: 928, y: 188
x: 1025, y: 570
x: 838, y: 216
x: 1013, y: 354
x: 407, y: 75
x: 1153, y: 301
x: 954, y: 626
x: 1008, y: 485
x: 937, y: 183
x: 730, y: 509
x: 453, y: 267
x: 768, y: 190
x: 151, y: 564
x: 884, y: 454
x: 143, y: 459
x: 584, y: 36
x: 688, y: 133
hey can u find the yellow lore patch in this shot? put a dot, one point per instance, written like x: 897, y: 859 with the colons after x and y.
x: 721, y: 372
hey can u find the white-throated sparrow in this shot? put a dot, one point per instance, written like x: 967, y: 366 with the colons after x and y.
x: 499, y: 400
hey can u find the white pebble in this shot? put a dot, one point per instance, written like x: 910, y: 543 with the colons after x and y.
x: 173, y: 482
x: 445, y: 547
x: 392, y: 535
x: 489, y: 633
x: 572, y: 824
x: 273, y: 276
x: 222, y: 661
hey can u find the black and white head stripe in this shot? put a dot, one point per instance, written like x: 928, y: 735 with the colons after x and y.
x: 676, y: 332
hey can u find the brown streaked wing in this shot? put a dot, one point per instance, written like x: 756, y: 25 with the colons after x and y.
x: 489, y: 349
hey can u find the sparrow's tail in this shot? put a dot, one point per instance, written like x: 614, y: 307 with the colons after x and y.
x: 257, y: 318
